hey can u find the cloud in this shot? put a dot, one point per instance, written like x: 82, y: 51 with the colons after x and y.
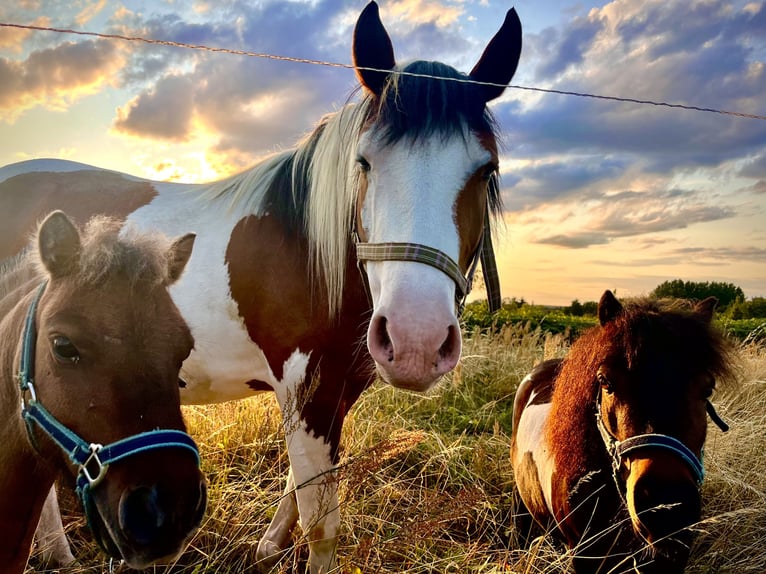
x: 627, y: 214
x: 55, y: 77
x: 164, y: 112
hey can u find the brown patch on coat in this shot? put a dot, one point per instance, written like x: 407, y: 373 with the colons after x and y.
x: 26, y: 199
x: 285, y: 309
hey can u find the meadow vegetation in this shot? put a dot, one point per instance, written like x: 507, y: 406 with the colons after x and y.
x: 425, y: 480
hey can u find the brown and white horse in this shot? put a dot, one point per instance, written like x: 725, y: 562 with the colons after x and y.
x: 405, y: 179
x: 91, y: 345
x: 607, y: 444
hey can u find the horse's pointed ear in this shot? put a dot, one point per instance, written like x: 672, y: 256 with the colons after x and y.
x: 58, y: 243
x: 498, y: 63
x: 609, y: 308
x: 372, y: 48
x: 706, y: 308
x: 178, y: 256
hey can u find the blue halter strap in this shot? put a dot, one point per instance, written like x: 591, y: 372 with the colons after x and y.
x: 618, y: 450
x: 92, y: 459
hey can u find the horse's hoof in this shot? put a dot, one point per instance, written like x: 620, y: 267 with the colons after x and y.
x: 268, y: 555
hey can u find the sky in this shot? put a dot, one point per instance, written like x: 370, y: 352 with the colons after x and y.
x: 598, y: 194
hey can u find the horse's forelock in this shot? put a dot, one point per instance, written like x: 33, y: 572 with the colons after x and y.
x: 439, y: 100
x: 648, y: 327
x: 108, y: 250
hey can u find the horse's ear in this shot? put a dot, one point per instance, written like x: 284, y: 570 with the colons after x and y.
x: 498, y: 63
x: 58, y: 243
x: 706, y: 308
x: 609, y: 308
x: 178, y: 256
x: 372, y: 48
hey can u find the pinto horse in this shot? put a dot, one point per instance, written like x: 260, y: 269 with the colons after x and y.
x: 91, y: 345
x: 607, y: 443
x: 400, y: 185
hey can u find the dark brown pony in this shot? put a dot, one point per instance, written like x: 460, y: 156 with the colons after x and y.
x: 90, y: 349
x: 607, y: 444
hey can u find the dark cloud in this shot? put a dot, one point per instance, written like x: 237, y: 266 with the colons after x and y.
x: 706, y: 53
x: 577, y: 240
x: 164, y: 112
x: 632, y: 214
x: 567, y: 49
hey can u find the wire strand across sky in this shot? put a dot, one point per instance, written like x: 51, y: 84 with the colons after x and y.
x: 276, y: 57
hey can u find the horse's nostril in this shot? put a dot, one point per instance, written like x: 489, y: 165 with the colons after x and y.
x: 448, y: 346
x: 141, y: 515
x: 382, y: 340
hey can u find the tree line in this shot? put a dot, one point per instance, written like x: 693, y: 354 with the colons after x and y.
x: 731, y: 298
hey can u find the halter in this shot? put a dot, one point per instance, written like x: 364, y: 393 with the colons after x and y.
x: 618, y: 449
x: 92, y: 459
x: 438, y: 259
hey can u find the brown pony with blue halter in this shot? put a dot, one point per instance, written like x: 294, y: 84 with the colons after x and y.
x: 90, y: 350
x: 607, y: 443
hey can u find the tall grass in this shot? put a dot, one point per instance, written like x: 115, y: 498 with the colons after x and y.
x: 426, y: 484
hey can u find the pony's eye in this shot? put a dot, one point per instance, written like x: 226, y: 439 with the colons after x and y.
x: 363, y: 164
x: 605, y: 383
x: 64, y: 350
x: 489, y: 171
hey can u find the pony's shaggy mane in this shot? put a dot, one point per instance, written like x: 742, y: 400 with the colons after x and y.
x: 106, y: 250
x: 312, y: 188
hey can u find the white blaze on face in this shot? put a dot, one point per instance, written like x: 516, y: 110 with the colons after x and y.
x: 412, y: 189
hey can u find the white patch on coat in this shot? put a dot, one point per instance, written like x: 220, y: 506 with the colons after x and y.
x: 530, y: 437
x: 224, y: 357
x: 311, y: 465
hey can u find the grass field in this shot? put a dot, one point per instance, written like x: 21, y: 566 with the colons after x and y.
x: 426, y: 484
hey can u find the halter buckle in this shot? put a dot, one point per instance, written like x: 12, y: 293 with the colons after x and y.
x: 26, y: 387
x: 93, y: 458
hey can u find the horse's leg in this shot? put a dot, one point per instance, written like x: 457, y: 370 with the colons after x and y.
x: 316, y: 493
x: 312, y: 417
x: 277, y: 537
x: 54, y: 551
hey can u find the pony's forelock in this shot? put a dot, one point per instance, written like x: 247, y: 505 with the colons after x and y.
x: 109, y: 247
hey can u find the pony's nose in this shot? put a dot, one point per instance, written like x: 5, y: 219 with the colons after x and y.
x: 665, y: 508
x: 141, y: 514
x: 146, y: 514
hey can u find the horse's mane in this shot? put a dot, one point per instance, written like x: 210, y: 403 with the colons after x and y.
x: 312, y: 187
x: 106, y: 249
x: 641, y: 338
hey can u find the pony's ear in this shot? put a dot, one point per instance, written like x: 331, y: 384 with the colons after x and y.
x: 178, y: 256
x: 58, y: 243
x: 372, y: 48
x: 609, y: 308
x: 706, y: 308
x: 498, y: 63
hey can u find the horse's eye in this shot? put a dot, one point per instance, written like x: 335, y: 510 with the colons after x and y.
x: 363, y: 164
x: 64, y: 350
x: 489, y: 171
x: 605, y: 383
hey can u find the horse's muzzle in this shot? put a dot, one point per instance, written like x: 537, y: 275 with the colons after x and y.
x: 663, y: 499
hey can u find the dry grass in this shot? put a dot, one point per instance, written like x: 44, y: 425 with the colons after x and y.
x: 426, y: 480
